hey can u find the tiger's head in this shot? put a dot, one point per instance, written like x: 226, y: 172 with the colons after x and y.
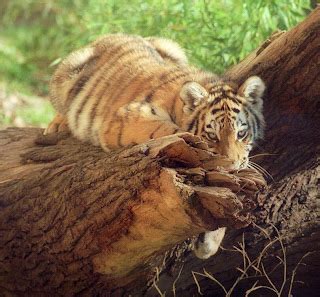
x: 228, y: 118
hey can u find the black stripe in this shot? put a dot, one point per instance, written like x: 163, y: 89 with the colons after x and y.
x: 120, y: 132
x: 215, y: 110
x: 107, y: 63
x: 83, y: 79
x: 220, y: 98
x: 171, y: 79
x: 77, y: 87
x: 172, y: 109
x: 227, y: 107
x: 148, y: 78
x: 154, y: 131
x: 94, y: 108
x: 200, y: 125
x: 141, y: 57
x: 236, y: 110
x: 109, y: 127
x: 144, y: 61
x: 220, y: 116
x: 148, y: 97
x: 83, y: 103
x: 257, y: 120
x: 171, y: 118
x: 153, y: 111
x: 114, y: 50
x: 192, y: 123
x: 233, y: 100
x: 153, y: 53
x: 216, y: 101
x: 254, y: 128
x: 249, y: 126
x: 254, y: 123
x: 175, y: 131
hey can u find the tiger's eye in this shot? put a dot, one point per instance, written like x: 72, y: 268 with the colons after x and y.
x: 242, y: 134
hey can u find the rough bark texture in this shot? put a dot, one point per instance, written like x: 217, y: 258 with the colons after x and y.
x: 66, y: 229
x: 76, y: 220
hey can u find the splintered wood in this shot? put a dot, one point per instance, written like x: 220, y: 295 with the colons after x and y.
x: 228, y: 195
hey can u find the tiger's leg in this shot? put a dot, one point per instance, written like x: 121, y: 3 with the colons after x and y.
x: 134, y: 124
x: 58, y: 124
x: 208, y: 243
x: 169, y: 50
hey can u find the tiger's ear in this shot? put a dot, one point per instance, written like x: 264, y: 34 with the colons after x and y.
x: 252, y: 89
x: 192, y: 95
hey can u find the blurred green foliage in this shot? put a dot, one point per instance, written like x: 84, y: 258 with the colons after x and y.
x: 36, y: 34
x: 216, y: 34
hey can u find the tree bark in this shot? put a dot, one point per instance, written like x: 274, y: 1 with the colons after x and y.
x: 77, y: 221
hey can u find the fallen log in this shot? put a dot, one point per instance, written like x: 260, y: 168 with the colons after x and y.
x: 75, y: 218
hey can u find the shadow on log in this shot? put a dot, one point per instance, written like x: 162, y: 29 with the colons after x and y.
x: 75, y: 220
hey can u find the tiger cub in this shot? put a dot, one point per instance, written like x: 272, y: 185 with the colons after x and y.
x: 122, y: 90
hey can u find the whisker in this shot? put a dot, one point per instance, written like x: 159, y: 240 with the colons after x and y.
x: 265, y: 154
x: 264, y: 170
x: 258, y: 169
x: 261, y: 170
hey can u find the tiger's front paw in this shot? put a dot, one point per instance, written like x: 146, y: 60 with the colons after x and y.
x: 208, y: 243
x: 58, y: 124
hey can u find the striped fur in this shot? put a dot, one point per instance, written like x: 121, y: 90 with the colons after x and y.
x: 124, y: 89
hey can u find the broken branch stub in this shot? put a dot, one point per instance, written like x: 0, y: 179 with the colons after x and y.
x: 228, y: 196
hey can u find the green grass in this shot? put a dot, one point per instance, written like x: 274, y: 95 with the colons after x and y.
x: 18, y: 109
x: 37, y: 116
x: 216, y: 34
